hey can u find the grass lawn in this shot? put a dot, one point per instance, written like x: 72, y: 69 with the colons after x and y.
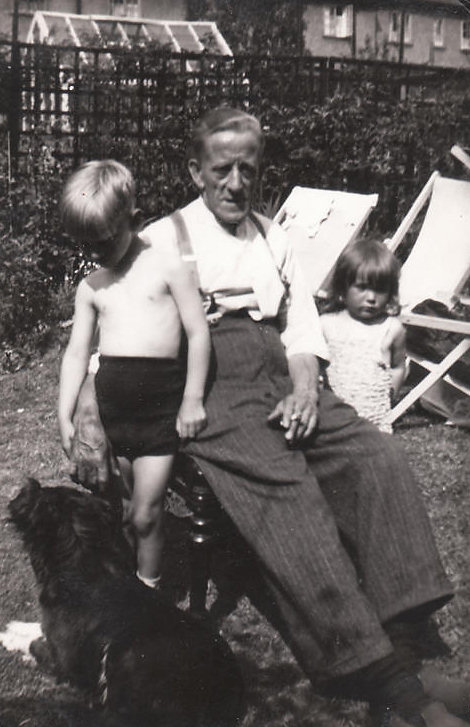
x: 278, y: 693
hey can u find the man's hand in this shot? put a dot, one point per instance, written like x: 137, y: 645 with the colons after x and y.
x: 297, y: 414
x: 91, y: 460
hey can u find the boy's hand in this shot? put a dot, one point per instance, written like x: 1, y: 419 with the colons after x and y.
x: 191, y: 418
x: 67, y: 433
x: 91, y: 461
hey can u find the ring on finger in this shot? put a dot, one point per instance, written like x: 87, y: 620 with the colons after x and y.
x: 295, y: 417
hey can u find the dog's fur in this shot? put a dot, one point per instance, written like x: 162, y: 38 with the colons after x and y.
x: 136, y: 654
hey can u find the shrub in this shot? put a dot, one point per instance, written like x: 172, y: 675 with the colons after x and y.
x: 351, y: 142
x: 37, y: 263
x: 360, y: 138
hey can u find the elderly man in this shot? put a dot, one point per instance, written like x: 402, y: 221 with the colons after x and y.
x: 326, y: 502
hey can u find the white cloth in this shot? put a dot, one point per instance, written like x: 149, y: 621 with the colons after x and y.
x: 248, y: 260
x: 359, y: 370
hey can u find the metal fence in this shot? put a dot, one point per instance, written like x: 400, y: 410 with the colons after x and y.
x: 68, y: 97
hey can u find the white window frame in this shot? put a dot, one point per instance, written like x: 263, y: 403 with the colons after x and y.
x: 338, y: 20
x: 438, y: 32
x: 125, y: 8
x: 395, y: 27
x: 465, y: 35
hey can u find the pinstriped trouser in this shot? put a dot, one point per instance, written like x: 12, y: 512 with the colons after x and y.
x: 289, y: 505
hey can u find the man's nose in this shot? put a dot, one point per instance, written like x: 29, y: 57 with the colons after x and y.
x: 234, y: 181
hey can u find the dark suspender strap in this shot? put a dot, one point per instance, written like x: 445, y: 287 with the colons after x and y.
x: 257, y: 224
x: 184, y: 245
x: 187, y: 253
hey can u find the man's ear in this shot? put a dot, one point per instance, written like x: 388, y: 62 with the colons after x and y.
x: 195, y: 172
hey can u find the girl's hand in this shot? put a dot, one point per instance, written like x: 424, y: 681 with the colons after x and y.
x: 67, y: 432
x: 191, y: 418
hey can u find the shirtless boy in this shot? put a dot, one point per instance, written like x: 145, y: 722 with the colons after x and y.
x: 140, y: 298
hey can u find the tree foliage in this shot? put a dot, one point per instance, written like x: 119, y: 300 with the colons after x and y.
x: 270, y: 27
x: 359, y: 137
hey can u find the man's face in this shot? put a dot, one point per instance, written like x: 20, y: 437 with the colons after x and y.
x: 226, y: 174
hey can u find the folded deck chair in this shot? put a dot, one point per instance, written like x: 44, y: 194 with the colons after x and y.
x: 461, y: 155
x: 436, y: 269
x: 320, y: 223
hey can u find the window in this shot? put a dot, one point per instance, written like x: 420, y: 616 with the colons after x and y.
x: 338, y: 20
x: 465, y: 35
x: 125, y: 8
x: 395, y: 27
x: 438, y: 33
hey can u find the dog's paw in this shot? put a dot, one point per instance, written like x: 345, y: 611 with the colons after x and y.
x: 39, y: 649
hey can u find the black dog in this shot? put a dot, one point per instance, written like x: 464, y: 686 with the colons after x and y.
x: 136, y: 655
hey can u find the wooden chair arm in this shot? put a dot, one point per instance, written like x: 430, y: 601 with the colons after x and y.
x: 441, y: 324
x: 461, y: 155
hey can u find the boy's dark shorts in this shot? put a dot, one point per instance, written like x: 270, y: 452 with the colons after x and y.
x: 138, y: 400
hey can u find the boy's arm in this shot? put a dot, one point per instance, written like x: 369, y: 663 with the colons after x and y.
x: 398, y: 356
x: 191, y: 416
x: 75, y: 362
x: 91, y: 460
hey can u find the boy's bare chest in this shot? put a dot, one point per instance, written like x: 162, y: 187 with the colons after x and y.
x: 142, y: 288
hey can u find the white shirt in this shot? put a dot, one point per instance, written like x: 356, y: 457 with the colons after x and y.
x: 248, y: 260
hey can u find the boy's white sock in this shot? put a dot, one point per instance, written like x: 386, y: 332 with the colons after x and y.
x: 150, y: 582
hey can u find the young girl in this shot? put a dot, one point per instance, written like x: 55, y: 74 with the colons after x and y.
x: 366, y: 341
x: 140, y: 298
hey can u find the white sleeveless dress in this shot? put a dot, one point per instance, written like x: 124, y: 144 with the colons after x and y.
x: 359, y: 370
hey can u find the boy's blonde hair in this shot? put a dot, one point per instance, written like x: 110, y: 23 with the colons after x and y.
x: 96, y: 198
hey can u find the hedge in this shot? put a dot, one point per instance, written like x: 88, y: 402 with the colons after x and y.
x: 352, y: 141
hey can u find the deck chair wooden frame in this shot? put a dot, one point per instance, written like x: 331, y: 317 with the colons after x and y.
x: 461, y: 155
x: 320, y: 223
x: 456, y: 272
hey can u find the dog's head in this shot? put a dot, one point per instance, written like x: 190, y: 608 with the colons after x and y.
x: 66, y: 530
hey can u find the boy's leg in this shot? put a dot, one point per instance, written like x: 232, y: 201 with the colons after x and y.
x: 151, y: 475
x: 127, y: 478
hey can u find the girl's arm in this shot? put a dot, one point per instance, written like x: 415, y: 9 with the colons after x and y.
x: 398, y: 356
x: 191, y: 416
x: 75, y: 361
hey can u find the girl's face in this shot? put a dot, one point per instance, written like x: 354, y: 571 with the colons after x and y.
x: 365, y: 303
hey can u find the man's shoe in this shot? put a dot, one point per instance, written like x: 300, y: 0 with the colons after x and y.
x: 453, y: 693
x: 434, y: 714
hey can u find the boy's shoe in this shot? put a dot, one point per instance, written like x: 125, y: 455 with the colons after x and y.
x: 453, y: 693
x: 153, y: 583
